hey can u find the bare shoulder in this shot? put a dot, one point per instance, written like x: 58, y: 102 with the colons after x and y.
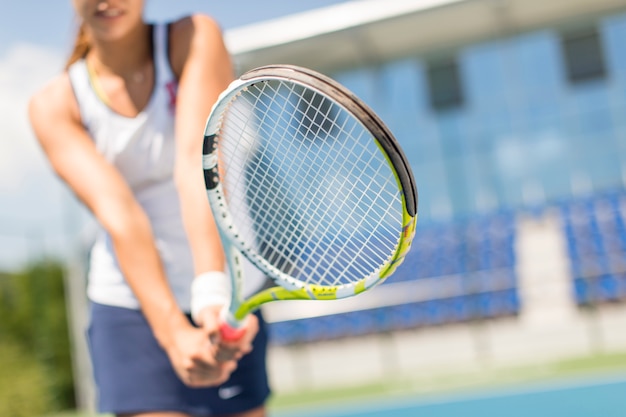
x: 196, y: 25
x: 198, y: 32
x: 54, y: 103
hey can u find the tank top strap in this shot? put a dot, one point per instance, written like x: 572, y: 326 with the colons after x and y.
x: 88, y: 101
x: 161, y: 53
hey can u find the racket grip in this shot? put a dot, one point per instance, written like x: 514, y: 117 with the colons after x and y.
x: 231, y: 329
x: 229, y: 333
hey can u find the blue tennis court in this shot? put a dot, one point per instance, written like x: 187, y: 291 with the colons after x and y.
x: 604, y: 397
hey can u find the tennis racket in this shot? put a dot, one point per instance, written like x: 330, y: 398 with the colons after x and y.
x: 308, y: 184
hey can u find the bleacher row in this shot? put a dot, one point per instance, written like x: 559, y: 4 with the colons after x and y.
x: 595, y: 229
x: 468, y: 267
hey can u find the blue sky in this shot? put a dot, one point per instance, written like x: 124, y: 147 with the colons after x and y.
x: 37, y: 213
x: 50, y: 23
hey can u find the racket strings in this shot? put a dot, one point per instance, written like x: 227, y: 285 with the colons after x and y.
x: 325, y: 116
x: 266, y: 187
x: 262, y: 187
x: 290, y: 243
x: 338, y: 154
x: 321, y: 263
x: 348, y: 252
x: 262, y: 124
x: 299, y: 222
x: 290, y: 170
x: 332, y: 230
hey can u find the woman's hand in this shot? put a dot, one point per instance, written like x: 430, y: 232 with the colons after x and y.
x: 193, y: 357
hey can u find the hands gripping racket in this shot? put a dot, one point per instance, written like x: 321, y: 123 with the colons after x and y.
x: 308, y: 184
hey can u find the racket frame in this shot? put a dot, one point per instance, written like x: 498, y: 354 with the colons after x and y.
x: 288, y: 288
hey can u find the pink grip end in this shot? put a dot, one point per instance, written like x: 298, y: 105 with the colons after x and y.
x: 231, y: 334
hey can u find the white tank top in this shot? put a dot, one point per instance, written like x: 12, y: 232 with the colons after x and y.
x: 142, y: 149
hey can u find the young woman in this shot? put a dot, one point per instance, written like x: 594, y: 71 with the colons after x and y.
x: 122, y: 126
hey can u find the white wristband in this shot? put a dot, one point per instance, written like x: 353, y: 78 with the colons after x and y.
x: 209, y: 289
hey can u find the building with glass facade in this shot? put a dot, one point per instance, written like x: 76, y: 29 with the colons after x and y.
x: 510, y: 123
x: 505, y: 109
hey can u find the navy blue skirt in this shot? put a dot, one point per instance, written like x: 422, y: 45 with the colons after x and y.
x: 133, y: 373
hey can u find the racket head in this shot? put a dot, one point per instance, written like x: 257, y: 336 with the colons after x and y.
x: 308, y: 184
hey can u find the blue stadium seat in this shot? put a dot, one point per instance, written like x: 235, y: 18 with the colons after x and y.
x: 478, y: 250
x: 595, y: 232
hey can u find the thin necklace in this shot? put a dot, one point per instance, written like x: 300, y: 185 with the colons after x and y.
x: 137, y: 77
x: 95, y: 83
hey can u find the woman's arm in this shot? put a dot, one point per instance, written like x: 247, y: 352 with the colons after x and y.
x: 56, y: 122
x: 204, y: 69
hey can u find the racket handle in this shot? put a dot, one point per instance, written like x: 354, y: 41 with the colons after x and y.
x: 231, y: 329
x: 229, y: 333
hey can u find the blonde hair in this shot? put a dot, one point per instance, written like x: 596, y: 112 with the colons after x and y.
x: 82, y: 45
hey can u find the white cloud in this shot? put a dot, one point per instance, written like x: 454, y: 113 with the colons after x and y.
x: 23, y: 70
x: 34, y: 206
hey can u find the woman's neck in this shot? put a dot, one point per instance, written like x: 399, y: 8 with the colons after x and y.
x: 124, y: 57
